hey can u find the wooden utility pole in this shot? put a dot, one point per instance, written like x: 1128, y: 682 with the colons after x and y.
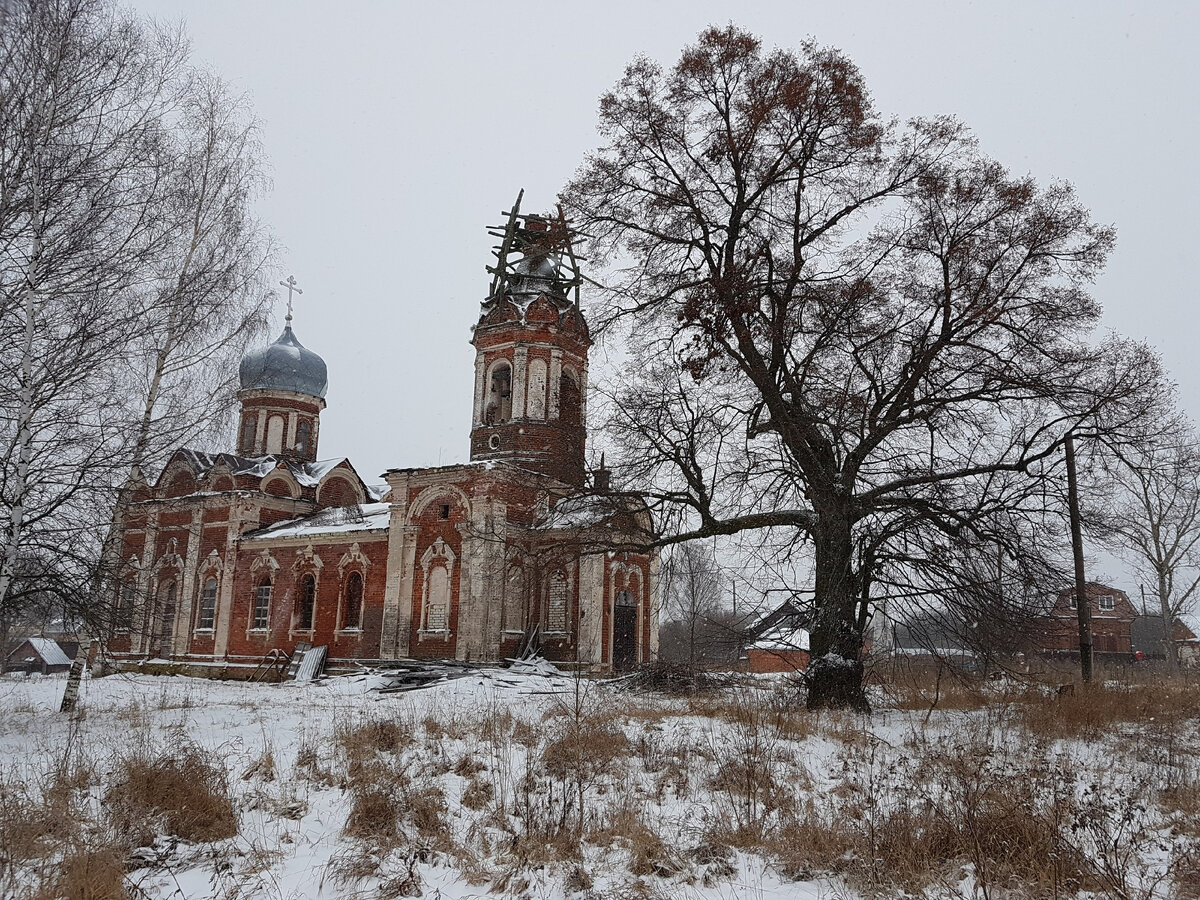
x: 1082, y: 608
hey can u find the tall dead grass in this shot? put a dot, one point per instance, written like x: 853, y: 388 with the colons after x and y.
x: 179, y: 788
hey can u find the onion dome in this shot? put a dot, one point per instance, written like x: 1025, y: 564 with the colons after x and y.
x: 286, y: 365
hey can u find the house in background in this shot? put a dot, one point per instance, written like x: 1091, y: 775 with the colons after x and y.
x: 779, y: 641
x: 37, y: 655
x: 1116, y: 625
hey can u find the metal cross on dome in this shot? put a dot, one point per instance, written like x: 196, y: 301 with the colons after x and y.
x: 290, y: 284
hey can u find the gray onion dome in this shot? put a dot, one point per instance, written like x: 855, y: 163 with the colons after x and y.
x: 286, y: 365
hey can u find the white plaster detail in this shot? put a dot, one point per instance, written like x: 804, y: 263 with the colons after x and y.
x: 353, y: 556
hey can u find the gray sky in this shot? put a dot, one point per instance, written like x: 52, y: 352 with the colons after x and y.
x: 398, y: 131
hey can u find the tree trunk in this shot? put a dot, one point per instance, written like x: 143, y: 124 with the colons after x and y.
x: 835, y: 672
x: 1082, y: 608
x: 1164, y: 604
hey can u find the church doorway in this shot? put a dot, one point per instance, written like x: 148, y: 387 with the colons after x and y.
x: 624, y: 631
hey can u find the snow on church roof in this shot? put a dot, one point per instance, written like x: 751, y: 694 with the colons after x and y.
x: 337, y: 520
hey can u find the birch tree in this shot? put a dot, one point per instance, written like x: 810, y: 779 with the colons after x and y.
x: 129, y: 266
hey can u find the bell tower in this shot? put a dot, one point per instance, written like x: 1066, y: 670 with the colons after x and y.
x: 531, y: 345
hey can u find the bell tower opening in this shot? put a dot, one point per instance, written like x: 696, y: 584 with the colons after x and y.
x: 531, y: 350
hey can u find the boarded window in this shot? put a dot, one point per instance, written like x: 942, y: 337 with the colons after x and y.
x: 438, y: 610
x: 249, y: 431
x: 208, y: 605
x: 556, y: 605
x: 275, y: 434
x: 262, y: 604
x: 352, y: 612
x: 306, y: 603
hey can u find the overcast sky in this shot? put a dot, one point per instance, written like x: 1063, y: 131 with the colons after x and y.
x: 397, y: 131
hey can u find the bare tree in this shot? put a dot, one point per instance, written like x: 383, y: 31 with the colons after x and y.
x: 128, y: 265
x: 692, y: 586
x: 1149, y: 508
x: 886, y: 335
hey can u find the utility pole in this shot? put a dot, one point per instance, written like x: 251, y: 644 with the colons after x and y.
x: 1082, y: 608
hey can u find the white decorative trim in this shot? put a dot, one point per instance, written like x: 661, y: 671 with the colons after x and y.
x: 265, y: 559
x: 438, y: 550
x: 171, y: 559
x: 352, y: 556
x: 306, y: 558
x: 212, y: 562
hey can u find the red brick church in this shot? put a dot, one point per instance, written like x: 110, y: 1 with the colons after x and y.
x: 230, y: 556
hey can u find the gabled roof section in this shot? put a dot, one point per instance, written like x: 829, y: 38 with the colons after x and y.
x: 333, y: 521
x: 306, y: 474
x: 49, y: 651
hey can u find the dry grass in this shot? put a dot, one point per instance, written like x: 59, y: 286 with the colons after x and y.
x: 88, y: 873
x: 181, y: 789
x: 1092, y: 711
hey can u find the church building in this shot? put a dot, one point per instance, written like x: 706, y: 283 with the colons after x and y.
x: 230, y: 557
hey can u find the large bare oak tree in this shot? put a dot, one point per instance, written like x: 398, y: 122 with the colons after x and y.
x: 863, y: 332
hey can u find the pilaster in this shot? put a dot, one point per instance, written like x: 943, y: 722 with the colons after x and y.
x: 480, y: 374
x: 520, y: 369
x: 591, y: 609
x: 140, y: 641
x: 555, y: 382
x: 185, y: 601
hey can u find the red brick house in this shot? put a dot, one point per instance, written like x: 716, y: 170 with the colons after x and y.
x: 226, y: 557
x: 1112, y: 623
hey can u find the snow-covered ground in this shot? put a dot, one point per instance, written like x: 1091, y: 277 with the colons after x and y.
x: 702, y: 798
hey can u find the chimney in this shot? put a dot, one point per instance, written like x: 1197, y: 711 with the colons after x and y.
x: 601, y: 478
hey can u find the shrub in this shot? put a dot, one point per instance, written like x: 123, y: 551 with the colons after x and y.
x: 181, y: 789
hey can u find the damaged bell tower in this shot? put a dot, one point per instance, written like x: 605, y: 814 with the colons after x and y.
x: 531, y: 344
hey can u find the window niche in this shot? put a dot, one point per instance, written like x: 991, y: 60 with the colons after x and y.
x: 249, y: 432
x: 498, y: 407
x: 306, y: 604
x: 260, y: 617
x: 206, y: 618
x: 352, y: 602
x: 556, y: 604
x: 303, y: 436
x: 437, y: 572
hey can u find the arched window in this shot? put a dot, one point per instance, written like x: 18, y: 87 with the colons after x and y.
x: 126, y: 600
x: 306, y: 603
x: 569, y: 403
x: 249, y: 432
x: 499, y: 400
x: 303, y: 435
x: 208, y: 606
x: 262, y: 605
x: 437, y: 611
x: 352, y: 610
x: 556, y: 603
x: 166, y: 616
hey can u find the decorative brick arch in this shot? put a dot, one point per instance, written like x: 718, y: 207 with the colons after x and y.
x: 433, y: 492
x: 280, y: 475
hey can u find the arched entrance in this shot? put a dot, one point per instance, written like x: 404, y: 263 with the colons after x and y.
x: 624, y: 631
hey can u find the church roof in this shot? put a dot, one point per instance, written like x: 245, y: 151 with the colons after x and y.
x: 285, y: 365
x: 307, y: 474
x: 335, y: 520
